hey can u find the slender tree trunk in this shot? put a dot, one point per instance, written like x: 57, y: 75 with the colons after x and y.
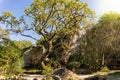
x: 103, y: 60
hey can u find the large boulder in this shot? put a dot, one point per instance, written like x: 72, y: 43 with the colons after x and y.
x: 31, y: 56
x: 51, y: 77
x: 65, y: 74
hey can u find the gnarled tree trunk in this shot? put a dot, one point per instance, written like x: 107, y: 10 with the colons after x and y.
x: 45, y: 55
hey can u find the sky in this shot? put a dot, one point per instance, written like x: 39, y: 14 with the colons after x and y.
x: 17, y: 8
x: 104, y: 6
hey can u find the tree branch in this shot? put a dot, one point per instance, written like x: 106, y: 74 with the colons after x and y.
x: 28, y: 36
x: 49, y: 15
x: 18, y: 31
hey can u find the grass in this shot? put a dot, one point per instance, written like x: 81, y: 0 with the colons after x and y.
x: 114, y: 73
x: 32, y: 71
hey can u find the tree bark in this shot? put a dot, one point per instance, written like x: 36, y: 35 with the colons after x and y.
x: 45, y: 55
x: 43, y: 58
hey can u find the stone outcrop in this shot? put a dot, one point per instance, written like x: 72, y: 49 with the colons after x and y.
x: 75, y: 43
x: 65, y: 74
x: 32, y: 56
x: 52, y: 77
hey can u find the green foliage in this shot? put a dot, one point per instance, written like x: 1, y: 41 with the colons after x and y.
x: 53, y: 63
x: 4, y: 33
x: 73, y: 65
x: 7, y: 14
x: 23, y: 44
x: 49, y: 78
x: 9, y: 19
x: 101, y: 42
x: 75, y: 60
x: 105, y: 69
x: 10, y: 59
x: 48, y: 70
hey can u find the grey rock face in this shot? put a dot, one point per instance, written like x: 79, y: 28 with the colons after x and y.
x: 65, y: 74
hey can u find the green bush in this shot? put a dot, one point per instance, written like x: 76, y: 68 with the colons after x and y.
x: 73, y: 65
x: 47, y: 71
x: 105, y: 69
x: 49, y: 78
x: 10, y: 59
x: 54, y: 63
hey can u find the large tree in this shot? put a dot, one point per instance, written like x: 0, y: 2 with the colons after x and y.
x: 49, y: 18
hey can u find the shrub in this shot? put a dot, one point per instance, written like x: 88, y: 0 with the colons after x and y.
x: 10, y: 59
x: 54, y: 63
x: 104, y: 69
x: 73, y: 65
x: 47, y: 71
x: 49, y: 78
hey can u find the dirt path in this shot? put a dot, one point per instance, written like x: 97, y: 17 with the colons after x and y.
x: 110, y: 75
x: 82, y: 77
x: 31, y: 77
